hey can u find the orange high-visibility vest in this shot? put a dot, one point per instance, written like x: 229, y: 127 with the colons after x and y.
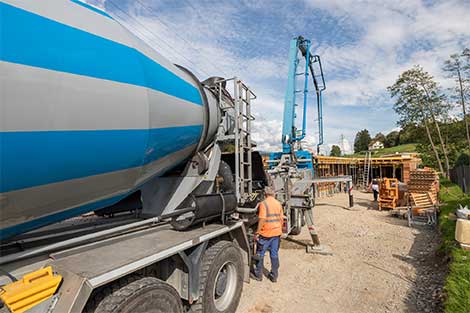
x: 271, y: 211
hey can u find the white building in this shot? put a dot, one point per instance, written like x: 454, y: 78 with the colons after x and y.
x: 376, y: 145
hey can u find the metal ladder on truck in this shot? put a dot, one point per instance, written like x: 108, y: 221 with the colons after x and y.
x: 242, y: 97
x: 243, y: 144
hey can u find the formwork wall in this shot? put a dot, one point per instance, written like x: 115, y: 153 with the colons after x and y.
x: 396, y: 166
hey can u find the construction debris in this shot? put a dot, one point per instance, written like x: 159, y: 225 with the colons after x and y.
x: 463, y: 212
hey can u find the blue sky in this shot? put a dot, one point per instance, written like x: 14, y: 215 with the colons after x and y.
x: 364, y: 46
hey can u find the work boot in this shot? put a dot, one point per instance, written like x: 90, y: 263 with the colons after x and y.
x: 256, y: 277
x: 272, y: 277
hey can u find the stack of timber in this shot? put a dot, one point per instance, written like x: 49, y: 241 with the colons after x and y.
x: 423, y: 188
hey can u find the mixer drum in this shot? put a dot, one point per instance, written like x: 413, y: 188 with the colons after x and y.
x: 89, y: 113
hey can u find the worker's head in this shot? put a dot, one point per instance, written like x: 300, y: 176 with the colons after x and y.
x: 268, y: 191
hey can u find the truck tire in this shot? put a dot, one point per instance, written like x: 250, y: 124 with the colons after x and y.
x: 221, y: 279
x: 146, y: 294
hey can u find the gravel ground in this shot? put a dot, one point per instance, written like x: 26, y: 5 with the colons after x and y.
x: 379, y: 264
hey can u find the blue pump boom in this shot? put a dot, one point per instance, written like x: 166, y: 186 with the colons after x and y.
x: 300, y: 48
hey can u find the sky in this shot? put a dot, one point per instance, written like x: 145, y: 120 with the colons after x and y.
x: 364, y: 46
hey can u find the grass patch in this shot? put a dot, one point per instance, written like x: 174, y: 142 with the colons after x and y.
x: 458, y: 281
x: 409, y: 147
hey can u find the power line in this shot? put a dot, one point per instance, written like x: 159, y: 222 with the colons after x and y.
x: 198, y: 14
x: 209, y: 22
x: 156, y: 36
x: 177, y: 35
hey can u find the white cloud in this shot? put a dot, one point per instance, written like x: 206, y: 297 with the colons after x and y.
x: 392, y: 29
x: 389, y: 37
x: 267, y: 134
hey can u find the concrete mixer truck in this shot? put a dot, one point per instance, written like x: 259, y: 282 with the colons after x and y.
x: 116, y: 190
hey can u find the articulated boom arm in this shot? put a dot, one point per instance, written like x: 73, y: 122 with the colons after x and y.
x: 290, y: 134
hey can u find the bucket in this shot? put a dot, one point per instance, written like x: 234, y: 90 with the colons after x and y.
x: 462, y: 231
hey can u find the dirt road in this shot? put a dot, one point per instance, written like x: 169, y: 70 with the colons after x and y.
x: 379, y: 264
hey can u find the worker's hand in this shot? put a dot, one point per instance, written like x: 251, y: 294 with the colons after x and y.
x: 256, y: 237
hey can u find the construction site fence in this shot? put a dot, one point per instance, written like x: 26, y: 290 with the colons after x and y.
x: 460, y: 175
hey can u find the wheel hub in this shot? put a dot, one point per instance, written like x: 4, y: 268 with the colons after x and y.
x: 225, y: 286
x: 221, y: 284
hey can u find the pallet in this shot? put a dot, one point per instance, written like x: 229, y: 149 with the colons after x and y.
x: 423, y: 188
x: 423, y: 200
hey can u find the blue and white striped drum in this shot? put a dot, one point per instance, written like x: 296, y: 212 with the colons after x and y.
x: 88, y: 112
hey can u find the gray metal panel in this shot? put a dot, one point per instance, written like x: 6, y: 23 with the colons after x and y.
x: 97, y: 264
x: 117, y: 257
x: 73, y: 292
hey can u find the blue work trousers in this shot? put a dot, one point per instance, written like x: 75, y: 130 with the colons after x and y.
x: 264, y: 244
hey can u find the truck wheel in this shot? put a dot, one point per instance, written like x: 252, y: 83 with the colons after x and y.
x: 221, y: 279
x: 147, y: 294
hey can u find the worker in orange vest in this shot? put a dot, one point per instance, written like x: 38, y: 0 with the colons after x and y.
x: 268, y: 236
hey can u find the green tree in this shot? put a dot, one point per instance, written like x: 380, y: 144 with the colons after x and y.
x: 362, y: 141
x: 335, y: 151
x: 392, y: 139
x: 411, y: 133
x: 453, y: 131
x: 456, y: 67
x: 463, y: 159
x: 380, y: 137
x: 419, y: 101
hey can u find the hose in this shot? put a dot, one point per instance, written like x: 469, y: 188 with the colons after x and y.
x: 248, y: 210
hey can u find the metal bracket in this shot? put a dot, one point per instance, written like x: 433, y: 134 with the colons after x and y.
x: 175, y: 190
x: 193, y: 264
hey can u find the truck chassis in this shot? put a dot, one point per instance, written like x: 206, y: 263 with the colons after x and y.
x: 92, y: 270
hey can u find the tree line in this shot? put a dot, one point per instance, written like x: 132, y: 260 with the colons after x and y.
x: 430, y: 116
x: 437, y: 117
x: 363, y: 139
